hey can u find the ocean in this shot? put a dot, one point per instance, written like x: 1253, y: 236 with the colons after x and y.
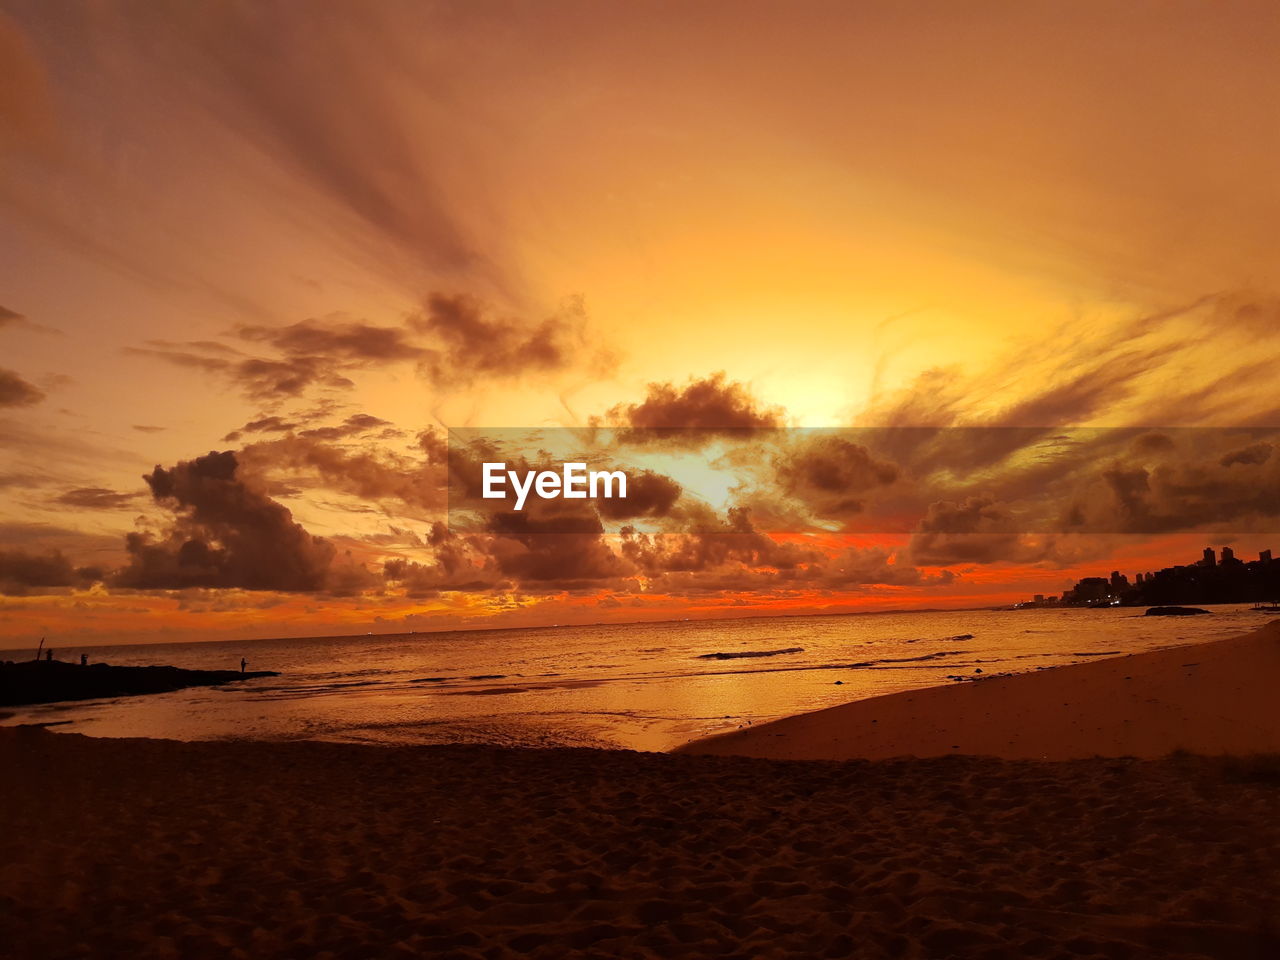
x: 642, y: 686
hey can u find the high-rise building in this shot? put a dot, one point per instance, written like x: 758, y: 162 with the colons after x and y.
x: 1208, y: 560
x: 1264, y: 556
x: 1228, y: 555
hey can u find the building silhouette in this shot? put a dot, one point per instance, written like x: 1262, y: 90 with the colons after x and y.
x: 1207, y: 580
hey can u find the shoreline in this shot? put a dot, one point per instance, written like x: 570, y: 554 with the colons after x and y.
x: 1215, y: 697
x: 946, y: 706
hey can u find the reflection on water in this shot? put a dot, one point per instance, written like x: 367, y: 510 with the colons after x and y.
x: 641, y: 686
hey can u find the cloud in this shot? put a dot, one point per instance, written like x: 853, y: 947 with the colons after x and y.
x: 829, y: 472
x: 224, y: 534
x: 96, y: 498
x: 733, y: 541
x: 1069, y: 376
x: 1253, y: 454
x: 8, y: 316
x: 458, y: 564
x: 346, y: 343
x: 555, y: 556
x: 371, y: 474
x: 649, y: 494
x: 354, y: 425
x: 468, y: 341
x: 693, y: 414
x: 262, y: 425
x: 21, y: 572
x: 261, y: 379
x: 455, y: 341
x: 16, y: 392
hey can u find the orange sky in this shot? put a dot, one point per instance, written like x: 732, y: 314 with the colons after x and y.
x: 881, y: 213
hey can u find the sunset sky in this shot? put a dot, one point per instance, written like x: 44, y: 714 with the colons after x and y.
x: 320, y: 235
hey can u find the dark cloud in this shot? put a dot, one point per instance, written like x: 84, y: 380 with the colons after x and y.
x: 224, y: 534
x: 267, y: 380
x: 47, y: 538
x: 863, y: 566
x: 733, y: 541
x: 262, y: 425
x: 554, y: 556
x: 1153, y: 443
x: 1253, y: 454
x: 1229, y: 492
x: 701, y: 409
x: 1065, y: 377
x: 455, y: 341
x: 8, y: 316
x: 96, y: 498
x: 976, y: 530
x: 468, y: 341
x: 261, y: 379
x: 372, y: 474
x: 649, y: 494
x: 22, y: 572
x: 146, y: 428
x: 458, y: 563
x: 16, y: 392
x: 979, y: 530
x: 1070, y: 397
x: 829, y: 472
x: 354, y: 425
x: 345, y: 343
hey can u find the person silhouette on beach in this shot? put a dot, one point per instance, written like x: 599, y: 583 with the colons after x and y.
x: 48, y: 655
x: 84, y: 659
x: 243, y: 663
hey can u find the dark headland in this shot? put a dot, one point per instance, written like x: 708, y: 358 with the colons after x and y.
x: 49, y: 681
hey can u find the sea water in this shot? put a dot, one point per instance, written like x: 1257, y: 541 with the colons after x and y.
x: 644, y: 686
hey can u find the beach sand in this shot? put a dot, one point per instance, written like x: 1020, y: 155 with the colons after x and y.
x: 149, y: 848
x: 140, y: 849
x: 1210, y: 698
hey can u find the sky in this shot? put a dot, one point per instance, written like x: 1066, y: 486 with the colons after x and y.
x: 256, y: 260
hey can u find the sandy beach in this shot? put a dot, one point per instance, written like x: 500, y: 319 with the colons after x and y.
x: 151, y: 848
x: 251, y: 850
x: 1209, y: 698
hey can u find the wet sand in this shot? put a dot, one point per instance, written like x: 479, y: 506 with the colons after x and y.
x: 146, y: 848
x: 1221, y: 697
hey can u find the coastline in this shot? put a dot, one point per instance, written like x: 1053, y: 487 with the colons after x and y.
x: 1216, y: 697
